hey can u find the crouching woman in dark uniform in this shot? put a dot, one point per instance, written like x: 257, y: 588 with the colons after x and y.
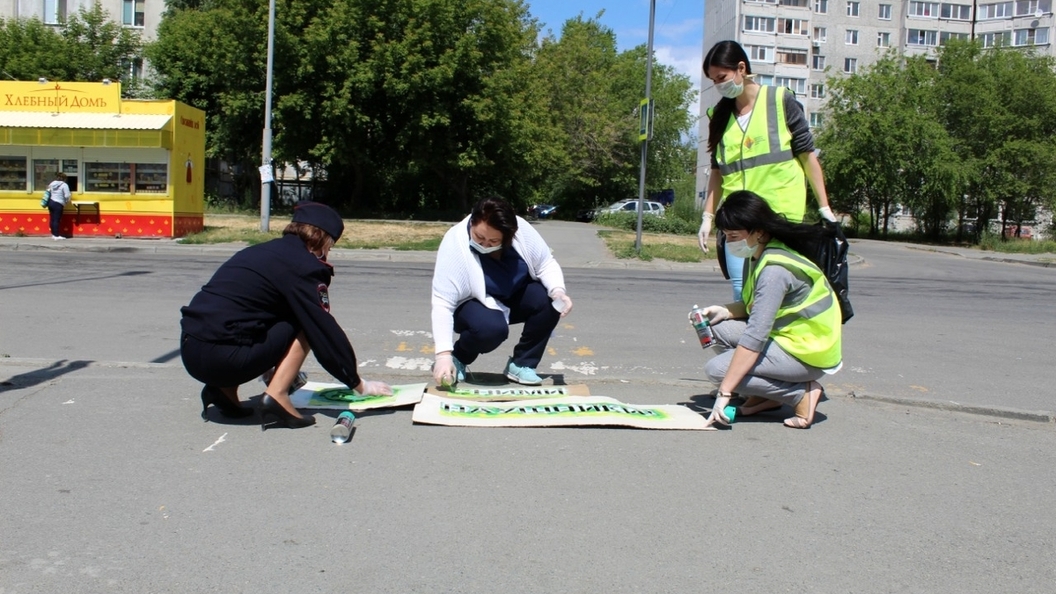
x: 265, y: 308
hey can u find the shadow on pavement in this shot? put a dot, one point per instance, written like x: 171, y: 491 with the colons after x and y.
x: 40, y: 376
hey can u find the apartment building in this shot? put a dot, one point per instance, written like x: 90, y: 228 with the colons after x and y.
x: 142, y: 15
x: 800, y: 43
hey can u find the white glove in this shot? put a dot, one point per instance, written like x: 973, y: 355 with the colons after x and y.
x: 561, y: 299
x: 444, y: 367
x: 826, y: 213
x: 370, y: 388
x: 705, y: 231
x: 716, y: 314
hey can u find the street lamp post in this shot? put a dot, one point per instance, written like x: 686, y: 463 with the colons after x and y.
x: 647, y: 105
x: 266, y: 178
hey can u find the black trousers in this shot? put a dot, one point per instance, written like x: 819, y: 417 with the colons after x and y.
x: 481, y: 330
x: 55, y: 217
x: 229, y: 365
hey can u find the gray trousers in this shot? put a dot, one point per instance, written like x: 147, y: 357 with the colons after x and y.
x: 776, y: 375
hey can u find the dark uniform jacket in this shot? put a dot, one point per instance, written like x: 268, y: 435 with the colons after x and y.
x: 265, y: 284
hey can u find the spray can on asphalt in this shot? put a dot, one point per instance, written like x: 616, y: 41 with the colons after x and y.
x: 701, y: 325
x: 343, y: 428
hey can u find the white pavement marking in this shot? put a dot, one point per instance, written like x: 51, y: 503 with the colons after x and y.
x: 412, y: 333
x: 416, y: 364
x: 70, y: 401
x: 587, y: 368
x: 215, y: 443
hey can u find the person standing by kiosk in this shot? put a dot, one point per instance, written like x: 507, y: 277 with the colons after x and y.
x: 59, y: 197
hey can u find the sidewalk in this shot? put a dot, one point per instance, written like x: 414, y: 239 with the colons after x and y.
x: 575, y: 245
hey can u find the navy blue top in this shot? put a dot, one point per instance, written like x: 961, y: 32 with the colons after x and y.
x: 275, y: 282
x: 505, y: 276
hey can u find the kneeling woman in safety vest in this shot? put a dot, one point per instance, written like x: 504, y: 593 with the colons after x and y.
x: 785, y: 334
x: 267, y: 307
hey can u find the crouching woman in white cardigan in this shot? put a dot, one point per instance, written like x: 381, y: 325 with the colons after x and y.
x: 492, y: 270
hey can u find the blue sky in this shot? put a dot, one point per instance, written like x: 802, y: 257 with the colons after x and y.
x: 677, y: 35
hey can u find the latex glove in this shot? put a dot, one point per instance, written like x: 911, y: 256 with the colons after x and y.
x: 371, y: 388
x: 444, y: 367
x: 705, y: 231
x: 826, y: 213
x: 716, y: 314
x: 560, y: 298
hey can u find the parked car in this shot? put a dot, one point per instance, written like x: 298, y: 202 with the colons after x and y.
x: 631, y: 205
x: 540, y: 211
x: 649, y: 207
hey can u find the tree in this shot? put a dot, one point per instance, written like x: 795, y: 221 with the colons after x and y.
x: 1000, y: 105
x: 594, y: 93
x: 884, y: 145
x: 87, y: 46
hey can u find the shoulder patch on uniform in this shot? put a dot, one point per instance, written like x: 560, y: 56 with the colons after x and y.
x: 324, y: 297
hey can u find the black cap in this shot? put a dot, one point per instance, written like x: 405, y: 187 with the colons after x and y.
x: 319, y: 215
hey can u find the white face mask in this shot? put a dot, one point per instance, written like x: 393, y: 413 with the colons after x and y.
x: 741, y: 249
x: 730, y: 89
x: 484, y: 250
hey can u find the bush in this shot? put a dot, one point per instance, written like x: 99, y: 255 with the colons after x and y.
x: 650, y: 223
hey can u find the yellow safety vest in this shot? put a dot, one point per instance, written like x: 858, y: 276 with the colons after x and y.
x: 760, y: 158
x: 806, y: 326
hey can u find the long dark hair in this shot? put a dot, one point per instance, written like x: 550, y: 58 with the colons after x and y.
x: 724, y: 54
x: 746, y: 210
x: 498, y: 214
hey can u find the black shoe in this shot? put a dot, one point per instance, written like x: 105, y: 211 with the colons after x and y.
x: 269, y: 407
x: 216, y: 397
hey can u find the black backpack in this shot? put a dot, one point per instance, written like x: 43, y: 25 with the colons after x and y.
x: 831, y: 257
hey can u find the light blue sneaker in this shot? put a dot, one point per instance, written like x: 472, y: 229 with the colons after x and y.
x: 522, y: 375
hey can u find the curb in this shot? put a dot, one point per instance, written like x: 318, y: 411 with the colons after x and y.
x: 950, y: 406
x: 1001, y: 259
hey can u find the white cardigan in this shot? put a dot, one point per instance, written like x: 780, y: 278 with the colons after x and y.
x: 458, y: 276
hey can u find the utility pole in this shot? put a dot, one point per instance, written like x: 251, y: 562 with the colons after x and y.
x: 266, y: 175
x: 647, y: 118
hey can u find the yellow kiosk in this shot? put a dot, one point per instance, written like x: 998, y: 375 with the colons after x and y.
x: 135, y: 168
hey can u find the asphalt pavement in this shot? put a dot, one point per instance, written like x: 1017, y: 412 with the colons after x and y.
x: 110, y: 483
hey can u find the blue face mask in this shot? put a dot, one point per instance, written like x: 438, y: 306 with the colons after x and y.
x: 484, y: 250
x: 741, y: 249
x: 730, y: 89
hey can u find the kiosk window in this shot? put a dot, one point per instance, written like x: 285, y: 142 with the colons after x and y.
x: 13, y: 172
x: 151, y: 178
x: 107, y: 177
x: 44, y: 171
x: 69, y: 167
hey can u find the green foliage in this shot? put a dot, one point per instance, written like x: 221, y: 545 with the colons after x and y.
x: 597, y: 155
x: 622, y: 245
x: 967, y: 140
x: 87, y: 47
x: 415, y: 106
x: 996, y: 243
x: 650, y: 223
x: 686, y: 206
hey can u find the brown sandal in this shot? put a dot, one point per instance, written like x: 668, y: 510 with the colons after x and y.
x: 805, y: 409
x: 755, y: 405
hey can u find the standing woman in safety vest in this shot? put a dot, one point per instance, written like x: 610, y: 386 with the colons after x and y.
x: 783, y: 335
x: 768, y: 150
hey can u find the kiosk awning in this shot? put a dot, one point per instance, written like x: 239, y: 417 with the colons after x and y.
x: 82, y: 121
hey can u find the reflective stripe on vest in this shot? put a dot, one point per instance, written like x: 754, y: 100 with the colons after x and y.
x: 760, y: 157
x: 776, y: 152
x: 807, y: 324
